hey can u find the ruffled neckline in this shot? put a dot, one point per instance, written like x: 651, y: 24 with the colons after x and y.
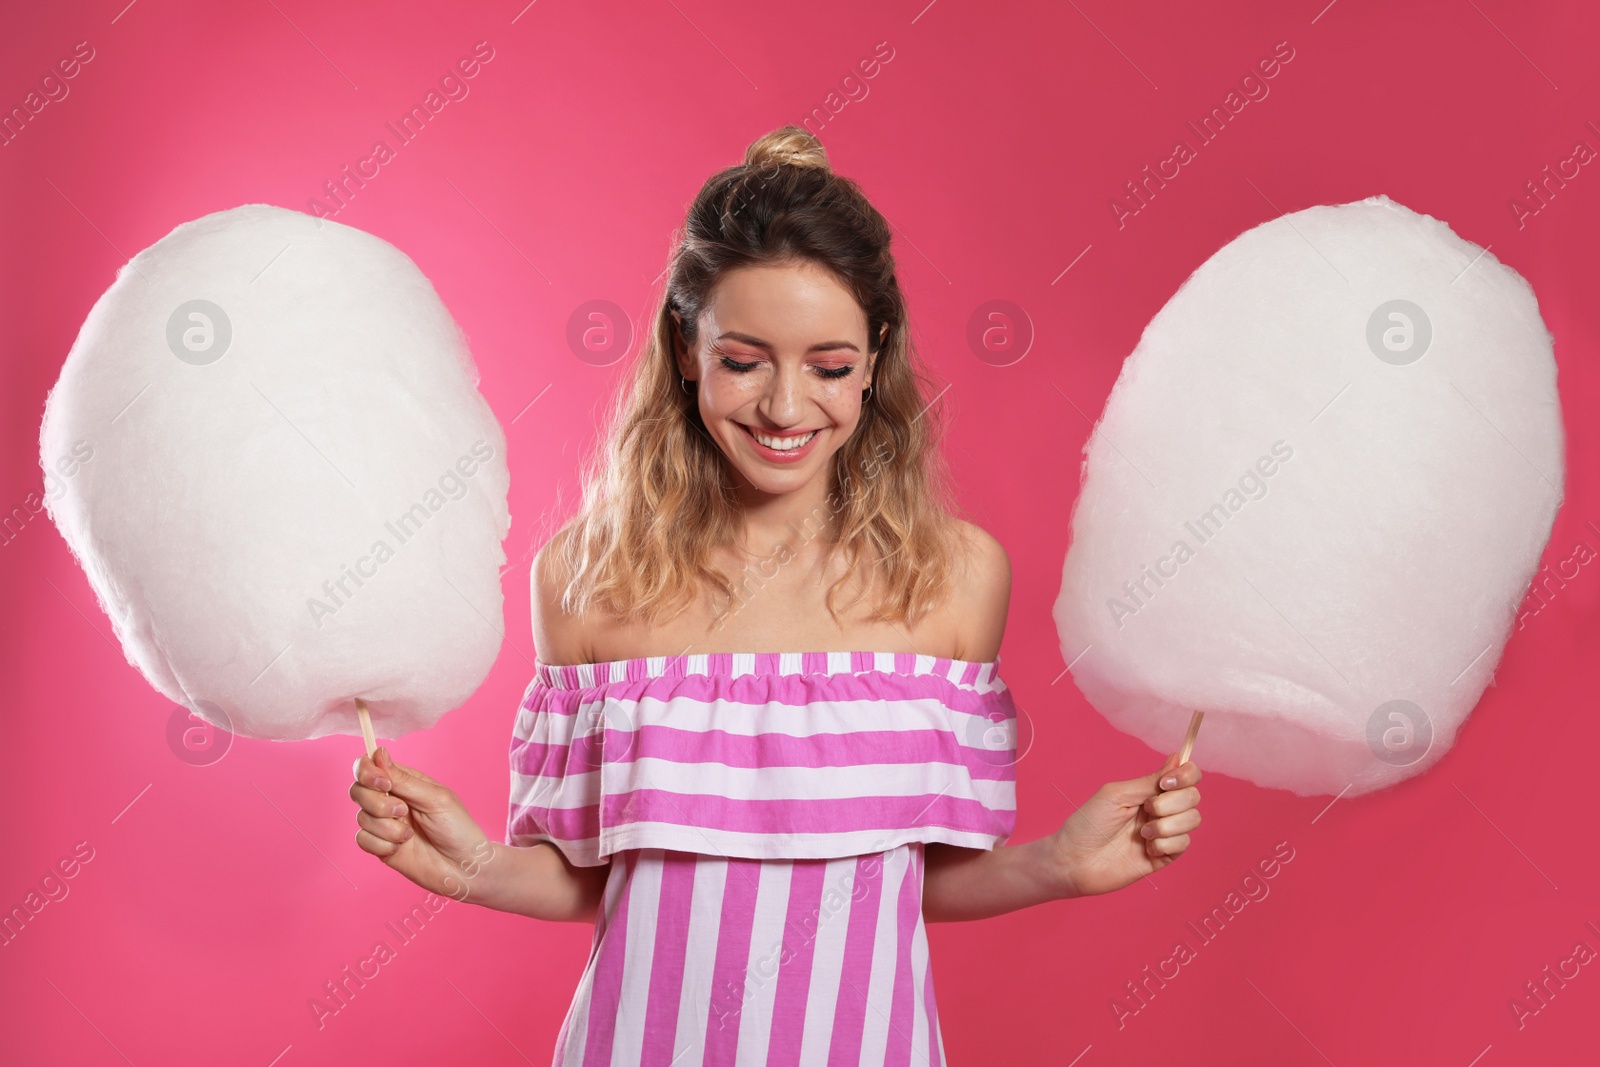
x: 764, y: 755
x: 732, y: 664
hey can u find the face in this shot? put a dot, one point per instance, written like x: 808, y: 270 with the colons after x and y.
x: 781, y: 361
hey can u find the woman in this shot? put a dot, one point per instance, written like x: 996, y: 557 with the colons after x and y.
x: 757, y: 814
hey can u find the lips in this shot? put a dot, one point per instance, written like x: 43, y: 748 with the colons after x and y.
x: 791, y: 435
x: 768, y: 452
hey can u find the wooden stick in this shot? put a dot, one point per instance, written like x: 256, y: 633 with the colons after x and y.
x: 366, y: 726
x: 1188, y: 742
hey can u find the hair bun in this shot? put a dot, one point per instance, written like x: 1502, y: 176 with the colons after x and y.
x: 794, y: 145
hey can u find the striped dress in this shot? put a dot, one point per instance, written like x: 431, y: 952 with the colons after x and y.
x: 764, y: 816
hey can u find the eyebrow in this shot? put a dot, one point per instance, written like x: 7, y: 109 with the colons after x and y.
x: 756, y: 342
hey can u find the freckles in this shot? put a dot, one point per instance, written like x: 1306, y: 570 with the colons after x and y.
x: 835, y: 388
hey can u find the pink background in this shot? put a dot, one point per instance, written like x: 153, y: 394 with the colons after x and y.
x: 219, y: 902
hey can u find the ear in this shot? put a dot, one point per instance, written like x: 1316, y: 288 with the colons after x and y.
x: 872, y: 358
x: 680, y: 350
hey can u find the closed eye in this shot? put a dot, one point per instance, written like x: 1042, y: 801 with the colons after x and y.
x: 826, y: 372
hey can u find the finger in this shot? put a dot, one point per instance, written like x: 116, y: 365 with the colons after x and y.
x: 387, y: 763
x: 1167, y: 846
x: 415, y: 788
x: 1179, y: 776
x: 367, y: 841
x: 1172, y: 802
x: 393, y: 830
x: 1137, y: 790
x: 377, y: 803
x: 1171, y: 825
x: 368, y: 774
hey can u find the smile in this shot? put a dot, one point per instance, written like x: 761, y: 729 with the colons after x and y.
x: 787, y: 447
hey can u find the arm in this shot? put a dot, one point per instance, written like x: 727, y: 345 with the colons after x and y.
x: 1123, y: 832
x: 974, y: 883
x: 421, y: 829
x: 537, y: 881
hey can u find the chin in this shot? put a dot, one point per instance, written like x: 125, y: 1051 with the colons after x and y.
x: 774, y: 479
x: 776, y: 482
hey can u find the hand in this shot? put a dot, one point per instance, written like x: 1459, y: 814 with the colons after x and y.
x: 417, y: 826
x: 1127, y: 830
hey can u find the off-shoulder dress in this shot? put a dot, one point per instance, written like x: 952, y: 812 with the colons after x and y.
x: 765, y: 816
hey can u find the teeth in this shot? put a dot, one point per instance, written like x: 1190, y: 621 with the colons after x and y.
x: 783, y: 444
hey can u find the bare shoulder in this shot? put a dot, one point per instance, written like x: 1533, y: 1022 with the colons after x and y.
x: 557, y: 636
x: 983, y: 594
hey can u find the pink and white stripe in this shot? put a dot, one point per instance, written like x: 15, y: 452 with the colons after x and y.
x: 765, y: 816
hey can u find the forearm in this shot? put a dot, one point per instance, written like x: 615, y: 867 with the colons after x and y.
x: 968, y: 883
x: 536, y: 881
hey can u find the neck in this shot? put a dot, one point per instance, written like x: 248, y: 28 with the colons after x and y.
x: 794, y: 522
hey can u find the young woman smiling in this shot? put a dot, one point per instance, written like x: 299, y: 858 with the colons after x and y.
x: 759, y: 799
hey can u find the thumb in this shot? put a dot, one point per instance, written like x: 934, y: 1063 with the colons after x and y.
x: 410, y: 784
x: 1138, y: 790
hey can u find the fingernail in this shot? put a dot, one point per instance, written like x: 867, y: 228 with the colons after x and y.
x: 399, y: 810
x: 1147, y: 831
x: 382, y: 784
x: 1169, y: 781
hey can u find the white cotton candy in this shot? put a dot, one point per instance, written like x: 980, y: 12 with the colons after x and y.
x: 1312, y: 512
x: 270, y: 456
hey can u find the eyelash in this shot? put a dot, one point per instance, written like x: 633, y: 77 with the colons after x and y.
x: 742, y: 368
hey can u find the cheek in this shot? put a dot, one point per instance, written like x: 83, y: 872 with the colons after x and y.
x: 841, y: 389
x: 725, y: 393
x: 841, y: 399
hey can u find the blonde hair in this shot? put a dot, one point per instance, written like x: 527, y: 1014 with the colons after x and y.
x: 657, y: 499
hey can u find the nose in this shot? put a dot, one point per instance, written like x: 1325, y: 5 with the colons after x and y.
x: 784, y: 400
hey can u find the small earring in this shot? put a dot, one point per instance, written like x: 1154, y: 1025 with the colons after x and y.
x: 683, y: 383
x: 866, y: 394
